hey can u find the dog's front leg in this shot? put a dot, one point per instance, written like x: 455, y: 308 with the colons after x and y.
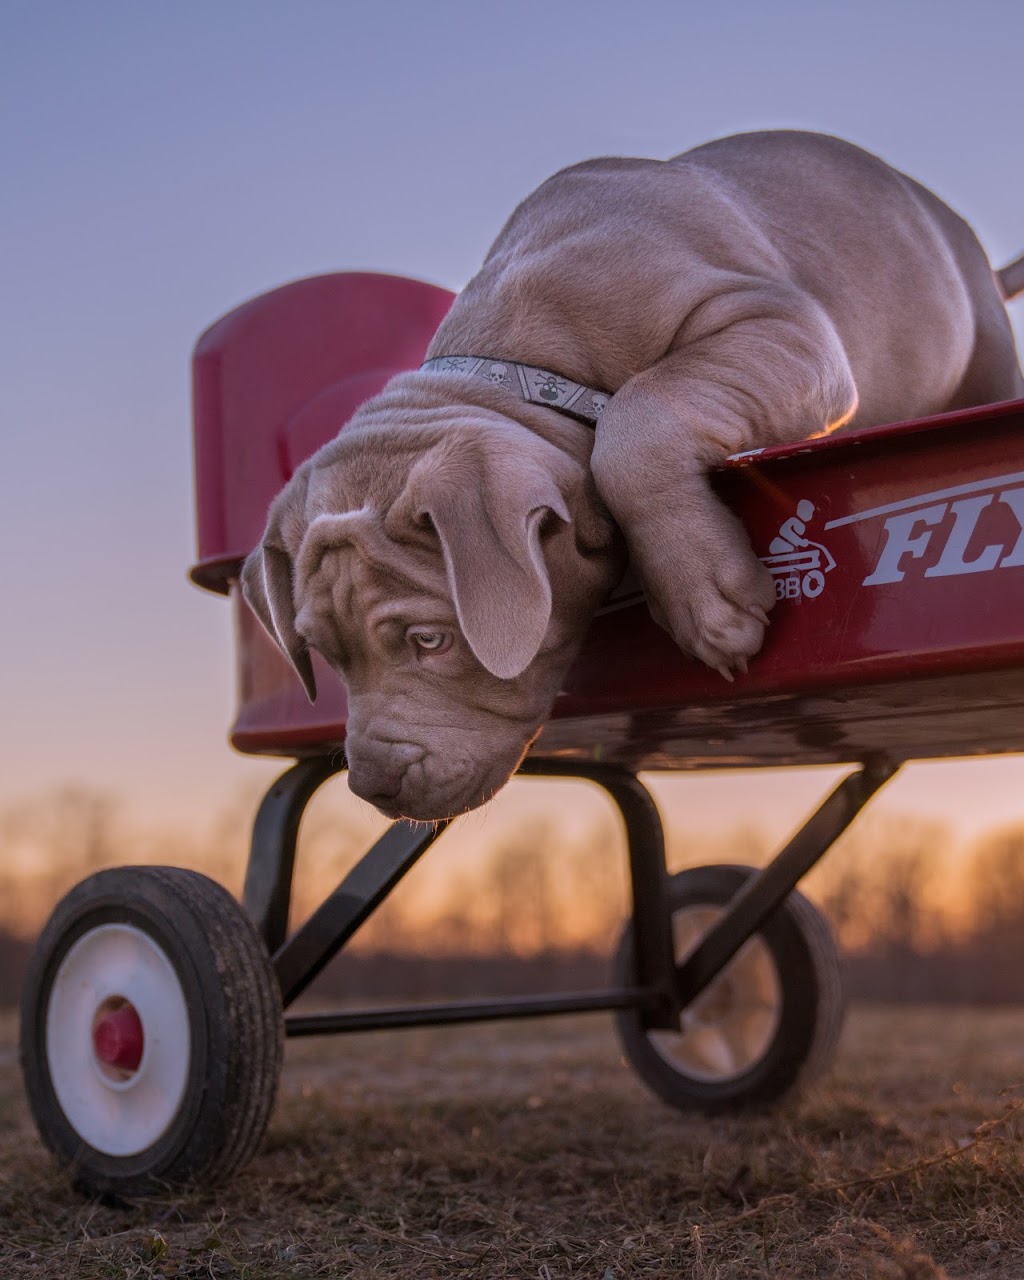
x: 777, y: 373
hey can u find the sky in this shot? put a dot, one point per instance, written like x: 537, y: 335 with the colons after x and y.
x: 161, y: 163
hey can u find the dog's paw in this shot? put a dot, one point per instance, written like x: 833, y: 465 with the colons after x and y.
x: 717, y: 611
x: 728, y: 640
x: 704, y: 584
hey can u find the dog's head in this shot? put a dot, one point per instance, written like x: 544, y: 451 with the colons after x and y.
x: 447, y: 572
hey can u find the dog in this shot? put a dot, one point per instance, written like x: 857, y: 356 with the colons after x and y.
x: 635, y: 322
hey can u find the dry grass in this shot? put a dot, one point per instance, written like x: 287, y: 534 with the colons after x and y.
x: 530, y: 1151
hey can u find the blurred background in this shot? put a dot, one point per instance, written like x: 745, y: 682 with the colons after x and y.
x: 160, y: 164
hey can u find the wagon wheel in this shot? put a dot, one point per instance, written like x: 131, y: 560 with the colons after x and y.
x: 151, y: 1032
x: 768, y: 1023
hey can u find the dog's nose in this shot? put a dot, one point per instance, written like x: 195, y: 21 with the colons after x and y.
x: 376, y: 771
x: 374, y: 785
x: 371, y: 790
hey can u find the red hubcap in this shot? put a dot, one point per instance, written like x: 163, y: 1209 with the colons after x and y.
x: 117, y: 1037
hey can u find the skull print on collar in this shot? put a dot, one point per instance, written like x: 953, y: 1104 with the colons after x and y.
x: 537, y: 386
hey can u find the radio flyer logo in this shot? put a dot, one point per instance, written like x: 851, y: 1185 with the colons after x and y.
x: 976, y: 527
x: 798, y: 563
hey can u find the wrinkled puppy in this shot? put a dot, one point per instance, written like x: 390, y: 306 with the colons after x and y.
x: 447, y: 551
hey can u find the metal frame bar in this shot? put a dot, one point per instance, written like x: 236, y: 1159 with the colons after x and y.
x: 268, y: 877
x: 454, y: 1011
x: 654, y: 949
x: 661, y: 990
x: 298, y: 961
x: 768, y: 888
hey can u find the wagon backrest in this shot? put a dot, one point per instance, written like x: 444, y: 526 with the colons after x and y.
x: 278, y: 377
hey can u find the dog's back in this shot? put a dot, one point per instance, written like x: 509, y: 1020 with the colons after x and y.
x: 914, y: 259
x: 606, y: 262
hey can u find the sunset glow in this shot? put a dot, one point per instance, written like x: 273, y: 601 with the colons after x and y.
x: 163, y: 164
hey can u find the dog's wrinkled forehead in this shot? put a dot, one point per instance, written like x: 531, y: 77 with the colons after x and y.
x: 348, y: 569
x: 359, y: 470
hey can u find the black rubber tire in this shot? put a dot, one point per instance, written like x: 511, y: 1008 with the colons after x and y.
x: 235, y: 1020
x: 812, y: 1003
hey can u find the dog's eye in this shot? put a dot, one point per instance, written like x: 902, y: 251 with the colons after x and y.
x: 430, y: 641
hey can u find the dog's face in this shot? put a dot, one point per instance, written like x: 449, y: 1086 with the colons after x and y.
x: 447, y: 573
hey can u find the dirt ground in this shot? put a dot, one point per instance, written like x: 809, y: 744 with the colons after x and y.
x: 531, y: 1150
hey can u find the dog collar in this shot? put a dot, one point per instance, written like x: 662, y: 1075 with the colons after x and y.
x: 536, y: 386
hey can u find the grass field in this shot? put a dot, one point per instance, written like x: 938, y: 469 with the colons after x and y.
x: 530, y: 1150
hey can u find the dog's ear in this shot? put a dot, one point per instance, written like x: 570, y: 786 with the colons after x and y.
x: 488, y: 508
x: 268, y: 581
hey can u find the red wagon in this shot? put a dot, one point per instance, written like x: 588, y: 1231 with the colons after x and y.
x: 152, y: 1017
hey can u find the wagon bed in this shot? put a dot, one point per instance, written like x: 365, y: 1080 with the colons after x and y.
x: 897, y: 553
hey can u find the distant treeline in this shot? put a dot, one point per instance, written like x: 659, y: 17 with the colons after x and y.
x: 952, y: 976
x: 541, y: 912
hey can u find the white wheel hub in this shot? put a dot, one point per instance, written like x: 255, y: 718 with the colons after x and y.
x: 117, y: 1039
x: 731, y: 1024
